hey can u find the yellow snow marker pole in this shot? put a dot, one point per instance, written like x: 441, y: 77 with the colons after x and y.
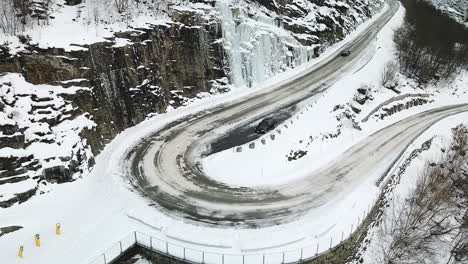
x: 20, y: 252
x: 57, y: 229
x: 38, y: 240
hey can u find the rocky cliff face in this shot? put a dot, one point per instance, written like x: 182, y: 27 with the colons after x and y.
x: 115, y: 86
x: 263, y: 38
x: 60, y: 108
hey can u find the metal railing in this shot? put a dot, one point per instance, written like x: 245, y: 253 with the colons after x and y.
x: 117, y: 250
x: 195, y: 256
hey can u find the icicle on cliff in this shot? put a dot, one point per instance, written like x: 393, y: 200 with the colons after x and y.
x: 257, y: 47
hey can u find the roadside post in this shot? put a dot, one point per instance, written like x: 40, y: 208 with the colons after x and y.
x: 37, y: 240
x: 20, y: 252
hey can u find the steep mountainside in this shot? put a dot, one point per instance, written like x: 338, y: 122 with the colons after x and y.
x: 74, y: 74
x: 457, y: 9
x: 263, y: 38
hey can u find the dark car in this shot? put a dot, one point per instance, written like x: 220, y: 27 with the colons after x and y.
x: 266, y: 125
x: 345, y: 53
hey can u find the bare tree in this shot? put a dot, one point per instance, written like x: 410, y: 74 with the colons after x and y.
x: 389, y: 73
x: 426, y: 63
x: 96, y: 16
x: 47, y: 6
x: 10, y: 24
x: 121, y: 5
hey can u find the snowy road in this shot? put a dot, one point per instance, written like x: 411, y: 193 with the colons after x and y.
x: 165, y: 166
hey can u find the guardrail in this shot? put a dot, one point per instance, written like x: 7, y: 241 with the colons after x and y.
x: 350, y: 238
x: 117, y: 250
x: 195, y: 256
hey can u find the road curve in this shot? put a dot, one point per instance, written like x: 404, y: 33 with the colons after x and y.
x: 164, y: 166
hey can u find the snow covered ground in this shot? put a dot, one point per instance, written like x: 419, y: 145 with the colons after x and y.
x: 72, y: 27
x: 101, y: 209
x: 441, y: 135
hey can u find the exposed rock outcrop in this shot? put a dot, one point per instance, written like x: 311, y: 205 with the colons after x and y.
x: 9, y: 229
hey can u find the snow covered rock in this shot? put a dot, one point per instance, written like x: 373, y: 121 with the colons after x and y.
x: 40, y: 137
x: 456, y: 9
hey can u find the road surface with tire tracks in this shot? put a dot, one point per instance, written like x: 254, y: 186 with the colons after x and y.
x: 165, y: 166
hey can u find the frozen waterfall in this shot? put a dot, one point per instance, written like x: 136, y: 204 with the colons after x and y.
x: 256, y: 46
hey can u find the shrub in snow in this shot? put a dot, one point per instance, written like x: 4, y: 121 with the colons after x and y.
x: 364, y: 93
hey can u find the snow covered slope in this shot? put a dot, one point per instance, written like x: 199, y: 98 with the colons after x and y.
x: 457, y: 9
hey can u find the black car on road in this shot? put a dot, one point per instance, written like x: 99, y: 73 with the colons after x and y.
x: 266, y: 125
x: 345, y: 53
